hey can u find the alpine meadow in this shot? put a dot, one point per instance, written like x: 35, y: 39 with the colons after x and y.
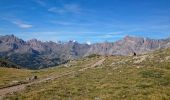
x: 84, y: 50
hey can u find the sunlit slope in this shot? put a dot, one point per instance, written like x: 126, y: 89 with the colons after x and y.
x: 141, y: 77
x: 13, y: 76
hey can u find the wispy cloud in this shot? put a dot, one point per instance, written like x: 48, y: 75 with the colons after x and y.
x: 71, y: 23
x: 66, y: 8
x: 62, y: 23
x: 22, y: 24
x: 108, y: 35
x: 17, y: 22
x: 40, y: 2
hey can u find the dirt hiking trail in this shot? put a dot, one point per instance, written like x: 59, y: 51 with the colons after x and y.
x: 17, y: 88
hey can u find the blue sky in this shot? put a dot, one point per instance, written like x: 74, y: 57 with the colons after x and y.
x: 85, y: 20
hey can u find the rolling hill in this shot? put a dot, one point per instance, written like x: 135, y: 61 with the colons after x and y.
x: 141, y: 77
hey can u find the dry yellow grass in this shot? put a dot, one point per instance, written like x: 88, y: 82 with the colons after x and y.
x: 118, y: 78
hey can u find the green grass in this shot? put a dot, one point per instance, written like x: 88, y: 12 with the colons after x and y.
x: 118, y: 78
x: 8, y: 75
x: 126, y: 83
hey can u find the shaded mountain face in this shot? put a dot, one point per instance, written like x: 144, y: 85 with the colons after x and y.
x: 34, y: 54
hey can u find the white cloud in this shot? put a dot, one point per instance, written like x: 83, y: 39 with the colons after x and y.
x: 67, y: 8
x: 40, y: 2
x: 22, y: 24
x: 70, y: 23
x: 72, y: 8
x: 16, y: 21
x: 56, y: 10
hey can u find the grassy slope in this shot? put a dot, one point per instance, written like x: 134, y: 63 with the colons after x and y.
x: 9, y: 75
x: 145, y: 77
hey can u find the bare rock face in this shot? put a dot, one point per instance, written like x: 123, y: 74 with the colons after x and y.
x: 10, y: 43
x: 128, y: 45
x: 35, y: 54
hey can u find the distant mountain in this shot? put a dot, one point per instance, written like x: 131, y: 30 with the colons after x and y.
x: 34, y: 54
x: 128, y: 45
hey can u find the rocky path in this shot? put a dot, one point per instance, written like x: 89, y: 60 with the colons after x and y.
x: 12, y: 89
x: 100, y: 62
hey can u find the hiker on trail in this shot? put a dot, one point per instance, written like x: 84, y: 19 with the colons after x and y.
x: 32, y: 78
x: 134, y: 54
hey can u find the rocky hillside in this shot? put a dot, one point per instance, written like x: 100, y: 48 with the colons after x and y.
x: 128, y: 45
x: 35, y: 54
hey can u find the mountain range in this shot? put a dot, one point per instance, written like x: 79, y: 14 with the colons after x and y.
x: 35, y: 54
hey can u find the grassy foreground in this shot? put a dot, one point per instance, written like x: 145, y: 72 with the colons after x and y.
x: 142, y: 77
x: 12, y: 76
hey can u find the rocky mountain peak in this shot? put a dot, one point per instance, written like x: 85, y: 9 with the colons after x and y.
x: 55, y: 53
x: 11, y: 39
x: 72, y: 41
x: 34, y: 41
x: 128, y: 37
x: 132, y: 38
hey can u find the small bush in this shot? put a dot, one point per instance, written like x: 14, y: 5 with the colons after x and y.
x: 151, y: 74
x: 93, y: 55
x: 143, y: 85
